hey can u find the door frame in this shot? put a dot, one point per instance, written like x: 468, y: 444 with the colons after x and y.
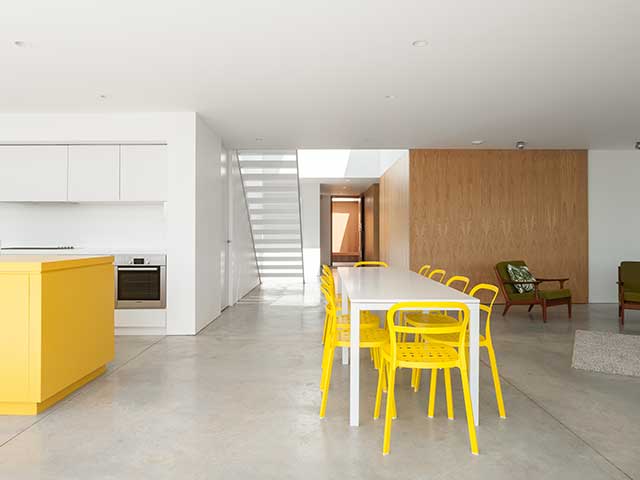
x: 360, y: 225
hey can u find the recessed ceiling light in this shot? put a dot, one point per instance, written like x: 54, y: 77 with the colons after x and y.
x: 102, y: 96
x: 520, y: 144
x: 21, y: 43
x: 637, y: 145
x: 477, y: 142
x: 390, y: 97
x: 420, y: 43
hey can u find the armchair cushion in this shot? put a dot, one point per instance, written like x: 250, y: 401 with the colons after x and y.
x: 631, y: 296
x: 554, y: 294
x: 521, y: 273
x: 630, y: 276
x: 504, y: 275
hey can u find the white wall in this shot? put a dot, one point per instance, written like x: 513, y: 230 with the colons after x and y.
x: 209, y: 220
x: 614, y: 222
x: 325, y: 229
x: 242, y: 262
x: 310, y: 212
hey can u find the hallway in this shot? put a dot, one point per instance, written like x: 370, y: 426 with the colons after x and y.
x: 241, y: 400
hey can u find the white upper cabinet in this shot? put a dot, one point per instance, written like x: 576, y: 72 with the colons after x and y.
x: 94, y: 173
x: 35, y: 173
x: 143, y: 173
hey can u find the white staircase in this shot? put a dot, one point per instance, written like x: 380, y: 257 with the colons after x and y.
x: 272, y: 192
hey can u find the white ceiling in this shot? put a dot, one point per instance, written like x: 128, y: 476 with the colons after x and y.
x: 314, y: 74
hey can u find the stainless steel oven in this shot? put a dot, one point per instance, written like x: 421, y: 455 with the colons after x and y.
x: 141, y: 281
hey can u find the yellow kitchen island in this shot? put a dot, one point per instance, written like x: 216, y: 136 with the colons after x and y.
x: 56, y: 327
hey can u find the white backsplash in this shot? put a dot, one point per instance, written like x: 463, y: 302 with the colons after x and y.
x: 131, y: 226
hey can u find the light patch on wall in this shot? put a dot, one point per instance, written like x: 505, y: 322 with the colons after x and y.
x: 340, y: 221
x: 323, y: 163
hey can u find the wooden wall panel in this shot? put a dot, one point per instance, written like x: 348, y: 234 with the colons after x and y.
x: 473, y: 208
x: 394, y: 214
x: 345, y: 227
x: 371, y: 200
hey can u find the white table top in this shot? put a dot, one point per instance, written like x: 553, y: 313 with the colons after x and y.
x: 391, y: 285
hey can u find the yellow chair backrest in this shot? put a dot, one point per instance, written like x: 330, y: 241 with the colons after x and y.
x: 370, y: 264
x: 464, y: 281
x: 459, y: 328
x: 437, y: 275
x: 492, y: 292
x: 424, y: 269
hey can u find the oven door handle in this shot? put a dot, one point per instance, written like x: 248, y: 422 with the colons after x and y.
x: 138, y: 269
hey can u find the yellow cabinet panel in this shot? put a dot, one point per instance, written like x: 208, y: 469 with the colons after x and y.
x: 14, y: 338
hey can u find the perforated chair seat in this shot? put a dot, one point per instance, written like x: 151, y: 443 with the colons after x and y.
x: 369, y: 338
x: 423, y: 355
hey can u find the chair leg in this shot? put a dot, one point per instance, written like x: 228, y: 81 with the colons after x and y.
x: 416, y: 381
x: 386, y: 444
x: 376, y: 408
x: 530, y: 307
x: 473, y: 441
x: 569, y: 307
x: 327, y: 381
x: 447, y: 387
x: 324, y: 329
x: 507, y: 306
x: 544, y: 311
x: 496, y: 380
x: 432, y: 392
x: 622, y: 315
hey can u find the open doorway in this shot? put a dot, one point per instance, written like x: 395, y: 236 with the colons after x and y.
x: 346, y: 229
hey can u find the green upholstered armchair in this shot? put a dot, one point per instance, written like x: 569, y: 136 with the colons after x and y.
x: 544, y: 298
x: 628, y: 288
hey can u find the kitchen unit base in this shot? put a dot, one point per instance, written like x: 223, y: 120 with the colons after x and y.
x: 56, y: 327
x: 34, y: 408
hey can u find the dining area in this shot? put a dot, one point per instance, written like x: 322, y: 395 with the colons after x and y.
x: 407, y: 320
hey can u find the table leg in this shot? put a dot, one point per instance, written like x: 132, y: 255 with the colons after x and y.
x: 354, y: 376
x: 345, y: 310
x: 474, y: 359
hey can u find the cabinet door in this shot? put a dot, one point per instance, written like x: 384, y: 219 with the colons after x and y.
x: 94, y: 173
x: 35, y: 173
x: 143, y: 173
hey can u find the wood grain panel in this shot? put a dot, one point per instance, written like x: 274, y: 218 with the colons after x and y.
x: 345, y: 227
x: 371, y: 200
x: 473, y: 208
x: 394, y: 214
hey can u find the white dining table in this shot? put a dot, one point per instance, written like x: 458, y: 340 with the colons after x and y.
x: 378, y: 289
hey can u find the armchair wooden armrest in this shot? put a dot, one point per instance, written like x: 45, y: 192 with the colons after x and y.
x: 559, y: 280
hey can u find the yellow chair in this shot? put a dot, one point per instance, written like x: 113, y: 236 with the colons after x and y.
x: 367, y: 319
x: 418, y: 319
x: 424, y: 269
x: 437, y: 275
x: 482, y: 289
x: 431, y: 355
x: 340, y: 336
x: 370, y: 264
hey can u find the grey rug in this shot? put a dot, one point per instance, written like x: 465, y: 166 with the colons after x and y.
x: 607, y: 352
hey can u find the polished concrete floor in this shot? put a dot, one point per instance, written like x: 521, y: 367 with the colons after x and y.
x: 241, y: 400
